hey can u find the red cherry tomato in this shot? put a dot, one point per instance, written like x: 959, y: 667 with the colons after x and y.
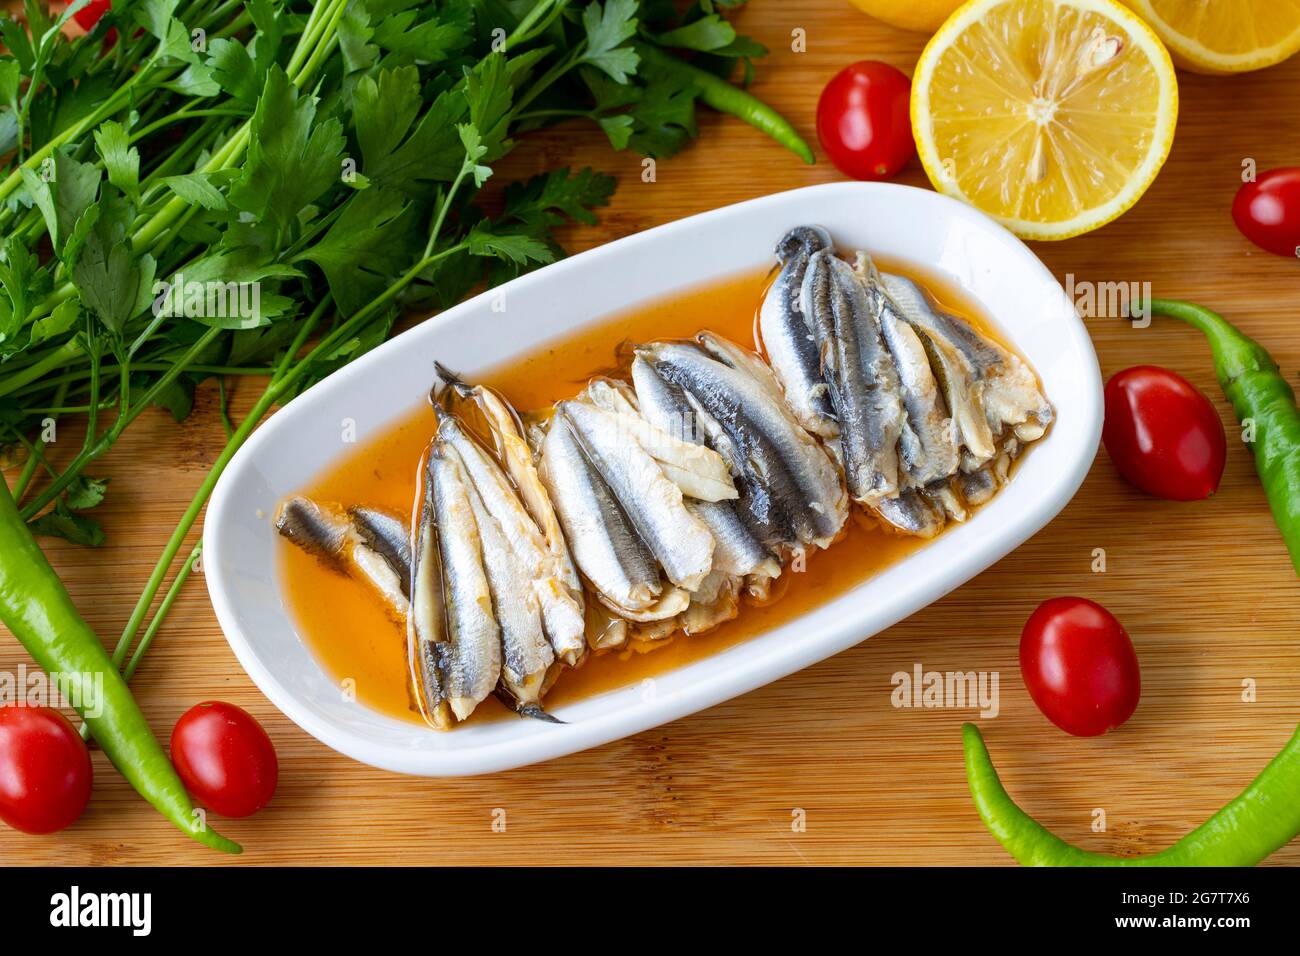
x: 1079, y: 666
x: 89, y: 15
x: 863, y: 121
x: 1267, y: 211
x: 1163, y: 435
x: 225, y: 758
x: 45, y: 771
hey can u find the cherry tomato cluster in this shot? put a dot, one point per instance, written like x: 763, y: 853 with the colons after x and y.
x: 221, y: 752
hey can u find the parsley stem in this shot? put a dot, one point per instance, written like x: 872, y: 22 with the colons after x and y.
x: 58, y: 358
x: 111, y: 105
x: 270, y: 395
x: 36, y: 451
x: 168, y: 599
x: 548, y: 78
x: 533, y: 24
x: 95, y: 446
x: 322, y: 49
x: 179, y: 117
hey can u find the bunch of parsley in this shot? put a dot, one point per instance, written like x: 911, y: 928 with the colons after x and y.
x: 328, y: 154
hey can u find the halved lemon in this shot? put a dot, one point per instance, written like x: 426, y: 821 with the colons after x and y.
x: 1224, y: 36
x: 1052, y: 116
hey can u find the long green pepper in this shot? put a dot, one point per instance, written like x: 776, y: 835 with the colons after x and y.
x: 1263, y: 401
x: 1262, y: 818
x: 1266, y: 815
x: 35, y: 606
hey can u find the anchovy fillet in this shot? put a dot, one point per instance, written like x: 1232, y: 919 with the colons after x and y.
x: 928, y: 445
x: 778, y: 460
x: 562, y: 615
x: 989, y: 390
x: 654, y: 504
x: 366, y: 542
x: 738, y: 549
x: 525, y: 654
x: 788, y: 337
x: 470, y: 658
x: 863, y: 381
x: 562, y: 611
x: 605, y: 545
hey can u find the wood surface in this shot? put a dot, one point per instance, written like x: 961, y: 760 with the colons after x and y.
x: 1205, y: 589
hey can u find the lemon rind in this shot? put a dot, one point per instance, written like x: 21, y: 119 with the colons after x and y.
x: 1143, y: 176
x: 1200, y: 57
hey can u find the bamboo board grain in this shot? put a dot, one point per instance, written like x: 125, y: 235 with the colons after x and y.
x: 1205, y: 589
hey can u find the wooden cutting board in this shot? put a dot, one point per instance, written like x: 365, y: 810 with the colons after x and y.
x: 819, y: 767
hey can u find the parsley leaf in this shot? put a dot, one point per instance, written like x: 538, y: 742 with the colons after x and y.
x: 63, y: 190
x: 366, y: 247
x: 607, y: 28
x: 292, y: 158
x: 113, y: 284
x: 62, y: 522
x: 121, y: 160
x: 385, y: 109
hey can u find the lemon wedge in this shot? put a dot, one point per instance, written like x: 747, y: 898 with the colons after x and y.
x: 1052, y: 116
x: 1224, y: 36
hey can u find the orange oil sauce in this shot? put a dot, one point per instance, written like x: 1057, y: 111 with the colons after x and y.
x: 354, y: 638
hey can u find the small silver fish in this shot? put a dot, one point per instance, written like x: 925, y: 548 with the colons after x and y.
x: 526, y: 656
x: 863, y: 381
x: 388, y: 536
x: 513, y: 450
x: 928, y: 444
x: 738, y: 550
x: 562, y: 615
x: 652, y: 502
x: 367, y: 543
x: 605, y: 545
x: 912, y: 512
x: 788, y: 337
x: 988, y: 389
x: 780, y: 464
x: 470, y: 657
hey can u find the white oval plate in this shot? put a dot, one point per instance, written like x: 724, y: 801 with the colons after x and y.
x: 941, y: 236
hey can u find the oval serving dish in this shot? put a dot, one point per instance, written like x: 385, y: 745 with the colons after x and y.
x: 951, y: 241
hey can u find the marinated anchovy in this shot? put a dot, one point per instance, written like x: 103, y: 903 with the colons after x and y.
x: 389, y: 537
x: 605, y: 545
x: 717, y: 600
x: 989, y: 390
x: 345, y: 541
x: 513, y: 449
x: 470, y: 658
x: 653, y: 503
x: 742, y: 360
x: 912, y: 512
x: 788, y: 336
x: 779, y: 462
x: 978, y: 486
x: 526, y: 656
x: 698, y: 471
x: 738, y: 549
x: 863, y: 381
x: 562, y: 615
x: 426, y: 625
x: 928, y: 444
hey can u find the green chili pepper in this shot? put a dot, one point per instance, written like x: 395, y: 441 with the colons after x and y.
x: 725, y: 98
x: 1263, y: 817
x: 36, y: 607
x: 1263, y: 402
